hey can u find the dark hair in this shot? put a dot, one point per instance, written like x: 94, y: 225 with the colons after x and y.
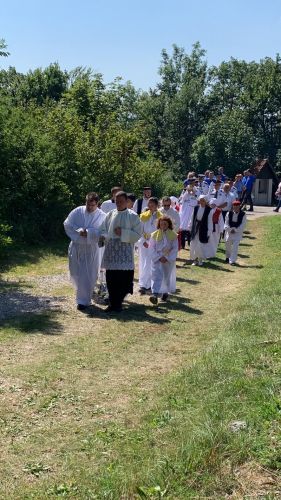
x: 131, y: 197
x: 167, y: 219
x: 123, y: 194
x: 153, y: 199
x: 115, y: 188
x: 92, y: 197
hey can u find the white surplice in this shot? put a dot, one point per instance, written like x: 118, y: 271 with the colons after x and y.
x: 148, y: 227
x: 84, y: 253
x: 162, y: 280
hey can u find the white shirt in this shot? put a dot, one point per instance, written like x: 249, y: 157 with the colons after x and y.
x: 107, y: 206
x: 143, y: 206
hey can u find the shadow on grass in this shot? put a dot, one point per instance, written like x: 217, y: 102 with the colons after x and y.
x: 245, y: 245
x: 253, y: 266
x: 134, y: 312
x: 215, y: 267
x: 144, y: 312
x: 247, y: 237
x: 44, y: 323
x: 187, y: 281
x: 29, y: 254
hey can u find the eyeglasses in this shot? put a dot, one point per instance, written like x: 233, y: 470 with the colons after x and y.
x: 166, y: 206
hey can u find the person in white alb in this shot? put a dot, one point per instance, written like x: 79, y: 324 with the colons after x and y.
x: 149, y: 223
x: 119, y: 232
x: 82, y: 227
x: 109, y: 205
x: 167, y: 210
x: 164, y: 249
x: 235, y: 222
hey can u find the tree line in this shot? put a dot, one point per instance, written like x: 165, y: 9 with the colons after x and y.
x: 63, y: 134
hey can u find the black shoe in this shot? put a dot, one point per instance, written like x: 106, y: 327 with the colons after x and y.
x: 165, y: 297
x: 275, y: 210
x: 227, y: 260
x: 142, y: 291
x: 154, y: 300
x: 80, y: 307
x: 113, y: 309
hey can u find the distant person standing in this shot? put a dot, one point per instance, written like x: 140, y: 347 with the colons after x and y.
x: 278, y: 196
x: 82, y: 227
x: 238, y: 184
x: 221, y: 174
x: 109, y: 205
x: 140, y: 205
x: 248, y: 183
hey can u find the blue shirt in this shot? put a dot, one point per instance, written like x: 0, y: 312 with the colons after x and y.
x: 248, y: 182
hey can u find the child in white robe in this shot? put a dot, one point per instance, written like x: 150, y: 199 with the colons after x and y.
x: 164, y: 249
x: 148, y: 220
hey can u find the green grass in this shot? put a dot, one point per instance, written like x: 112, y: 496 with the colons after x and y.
x: 96, y: 417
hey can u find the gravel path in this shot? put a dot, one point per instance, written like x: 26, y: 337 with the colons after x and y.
x: 32, y: 296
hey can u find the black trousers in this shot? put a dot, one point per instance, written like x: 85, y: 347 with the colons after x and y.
x: 184, y: 236
x: 247, y: 198
x: 119, y: 284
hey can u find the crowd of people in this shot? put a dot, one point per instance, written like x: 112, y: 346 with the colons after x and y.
x: 106, y: 237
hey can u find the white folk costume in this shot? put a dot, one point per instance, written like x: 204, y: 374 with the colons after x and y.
x: 234, y: 227
x: 84, y: 253
x: 118, y: 258
x: 218, y: 228
x: 188, y: 200
x: 201, y: 227
x: 149, y: 223
x: 163, y: 244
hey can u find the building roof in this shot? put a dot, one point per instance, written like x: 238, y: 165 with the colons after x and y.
x: 259, y: 165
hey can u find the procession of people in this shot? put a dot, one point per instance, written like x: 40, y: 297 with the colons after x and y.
x: 106, y: 240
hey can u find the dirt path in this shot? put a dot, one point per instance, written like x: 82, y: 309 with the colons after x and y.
x: 61, y: 369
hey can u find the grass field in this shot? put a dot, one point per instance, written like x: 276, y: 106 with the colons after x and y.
x: 180, y: 401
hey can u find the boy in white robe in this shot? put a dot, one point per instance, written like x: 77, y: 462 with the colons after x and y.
x: 164, y: 249
x: 82, y: 227
x: 235, y: 222
x: 149, y: 223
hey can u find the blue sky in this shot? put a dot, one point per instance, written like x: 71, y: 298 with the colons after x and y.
x: 125, y: 38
